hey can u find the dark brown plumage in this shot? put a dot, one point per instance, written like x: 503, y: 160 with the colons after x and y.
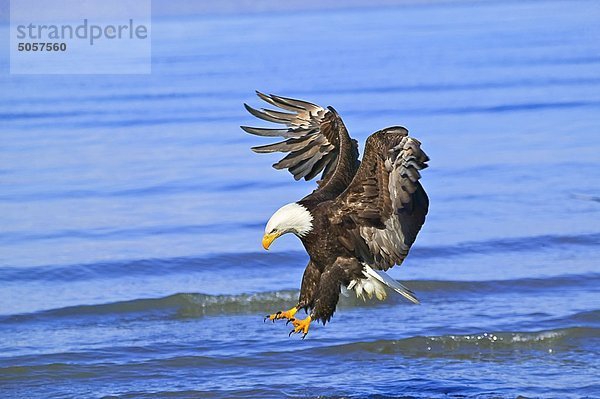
x: 365, y: 215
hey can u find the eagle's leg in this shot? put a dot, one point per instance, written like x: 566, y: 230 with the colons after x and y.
x: 286, y: 314
x: 328, y: 293
x: 310, y: 282
x: 301, y: 325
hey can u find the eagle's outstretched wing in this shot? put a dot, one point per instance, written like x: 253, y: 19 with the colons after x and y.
x: 315, y: 139
x: 379, y: 215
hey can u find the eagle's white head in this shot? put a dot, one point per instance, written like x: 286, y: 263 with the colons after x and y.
x: 290, y: 218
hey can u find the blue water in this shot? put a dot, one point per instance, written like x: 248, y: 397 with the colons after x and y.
x: 131, y: 210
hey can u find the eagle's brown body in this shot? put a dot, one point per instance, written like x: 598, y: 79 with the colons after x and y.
x: 364, y: 214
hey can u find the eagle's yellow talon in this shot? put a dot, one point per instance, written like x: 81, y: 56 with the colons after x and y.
x: 301, y: 326
x: 288, y: 314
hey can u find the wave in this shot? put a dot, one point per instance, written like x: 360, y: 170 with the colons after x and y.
x: 492, y: 109
x: 167, y: 188
x: 134, y: 120
x: 119, y: 97
x: 451, y: 87
x: 576, y: 281
x: 464, y: 346
x: 518, y: 244
x: 586, y: 197
x: 491, y: 346
x: 56, y: 120
x: 177, y: 305
x: 192, y: 305
x: 130, y: 232
x: 150, y: 267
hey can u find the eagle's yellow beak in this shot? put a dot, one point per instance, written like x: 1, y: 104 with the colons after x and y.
x: 268, y: 239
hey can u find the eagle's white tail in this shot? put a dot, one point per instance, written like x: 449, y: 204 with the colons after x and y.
x: 375, y: 283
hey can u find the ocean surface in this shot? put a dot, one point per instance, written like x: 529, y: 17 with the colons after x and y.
x: 132, y: 210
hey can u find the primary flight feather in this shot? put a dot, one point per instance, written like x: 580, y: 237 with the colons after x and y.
x: 363, y: 216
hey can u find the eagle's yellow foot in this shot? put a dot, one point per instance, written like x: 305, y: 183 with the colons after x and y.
x: 288, y: 314
x: 301, y: 326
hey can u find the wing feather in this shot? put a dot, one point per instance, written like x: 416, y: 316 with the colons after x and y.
x: 294, y: 158
x: 286, y: 145
x: 259, y: 131
x: 270, y: 116
x: 316, y: 141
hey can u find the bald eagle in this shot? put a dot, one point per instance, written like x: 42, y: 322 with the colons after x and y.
x: 363, y: 216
